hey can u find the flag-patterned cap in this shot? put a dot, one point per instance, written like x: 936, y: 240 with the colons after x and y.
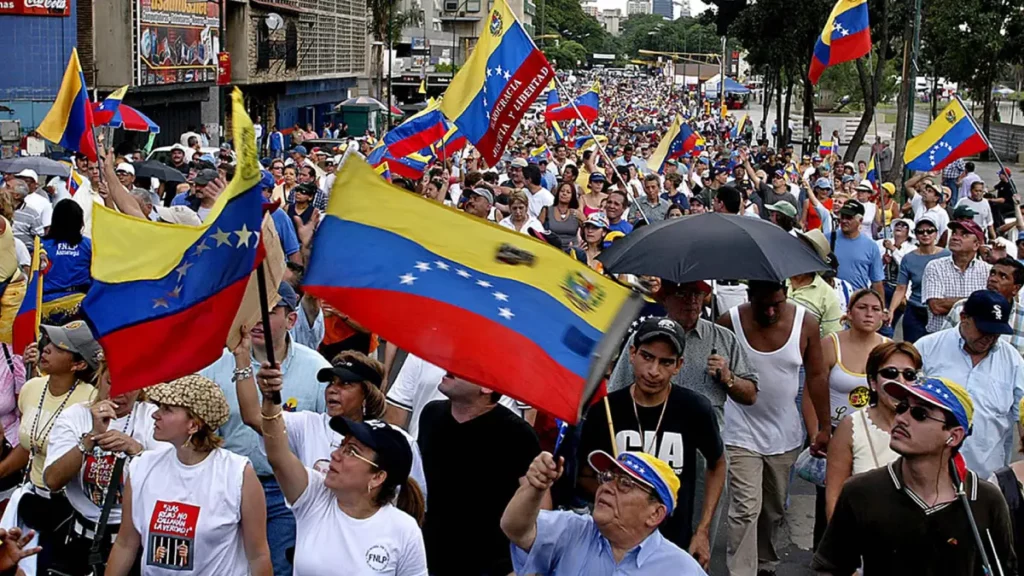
x: 648, y: 470
x: 939, y: 392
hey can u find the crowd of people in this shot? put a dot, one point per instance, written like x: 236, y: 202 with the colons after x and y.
x: 350, y: 456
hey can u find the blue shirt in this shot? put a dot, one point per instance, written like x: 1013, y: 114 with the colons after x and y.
x: 301, y: 391
x: 621, y: 226
x: 912, y: 272
x: 996, y: 386
x: 286, y: 232
x: 276, y: 140
x: 569, y: 544
x: 679, y: 199
x: 69, y: 269
x: 860, y: 262
x: 548, y: 180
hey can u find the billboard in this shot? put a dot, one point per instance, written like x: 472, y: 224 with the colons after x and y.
x: 178, y: 41
x: 35, y: 7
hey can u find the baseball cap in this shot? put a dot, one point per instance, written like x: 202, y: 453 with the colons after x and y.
x: 852, y: 207
x: 654, y: 327
x: 824, y: 183
x: 299, y: 150
x: 925, y: 218
x: 597, y: 177
x: 206, y: 176
x: 963, y: 213
x: 348, y: 371
x: 815, y: 158
x: 889, y: 187
x: 783, y: 207
x: 990, y: 312
x: 289, y: 299
x: 969, y: 226
x: 75, y: 337
x: 864, y: 186
x: 267, y: 180
x: 393, y: 453
x: 645, y: 469
x: 597, y: 220
x: 942, y: 393
x: 847, y: 178
x: 125, y: 167
x: 518, y: 163
x: 484, y: 193
x: 28, y: 173
x: 225, y: 146
x: 178, y: 215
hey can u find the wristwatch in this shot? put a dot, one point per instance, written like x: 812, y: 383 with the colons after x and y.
x: 732, y: 380
x: 81, y: 445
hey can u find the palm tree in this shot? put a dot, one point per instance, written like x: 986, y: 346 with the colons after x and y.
x: 385, y: 28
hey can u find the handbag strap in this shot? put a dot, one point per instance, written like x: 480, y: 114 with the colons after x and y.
x: 95, y: 550
x: 7, y: 356
x: 867, y: 433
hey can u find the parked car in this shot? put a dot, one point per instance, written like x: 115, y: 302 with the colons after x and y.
x: 163, y: 154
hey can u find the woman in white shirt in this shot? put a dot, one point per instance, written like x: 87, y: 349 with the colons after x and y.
x: 194, y: 507
x: 345, y: 522
x: 520, y: 220
x: 85, y: 442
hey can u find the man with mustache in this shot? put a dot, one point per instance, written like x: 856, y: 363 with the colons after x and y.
x: 906, y: 518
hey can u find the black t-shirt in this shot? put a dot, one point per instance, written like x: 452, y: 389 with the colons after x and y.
x: 1005, y: 191
x: 472, y: 469
x: 689, y: 424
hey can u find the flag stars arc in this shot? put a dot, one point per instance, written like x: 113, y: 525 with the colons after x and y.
x: 409, y: 279
x: 221, y: 238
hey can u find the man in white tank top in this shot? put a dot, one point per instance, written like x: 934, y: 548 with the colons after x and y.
x: 763, y: 440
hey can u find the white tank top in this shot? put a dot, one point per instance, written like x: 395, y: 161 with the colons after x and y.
x: 772, y: 425
x: 189, y: 517
x: 870, y: 444
x: 847, y: 390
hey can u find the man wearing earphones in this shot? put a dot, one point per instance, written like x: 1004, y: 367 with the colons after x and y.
x: 907, y: 517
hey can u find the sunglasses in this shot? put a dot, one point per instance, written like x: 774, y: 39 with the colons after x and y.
x: 892, y: 373
x: 926, y: 231
x: 919, y: 413
x: 623, y: 483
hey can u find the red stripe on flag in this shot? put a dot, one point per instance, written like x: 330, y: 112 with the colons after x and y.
x: 973, y: 145
x: 470, y: 346
x: 850, y: 47
x: 817, y: 67
x: 522, y: 89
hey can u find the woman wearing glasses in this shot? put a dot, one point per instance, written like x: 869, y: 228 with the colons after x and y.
x: 912, y: 272
x: 861, y: 441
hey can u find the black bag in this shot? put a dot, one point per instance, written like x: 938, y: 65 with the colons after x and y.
x: 1011, y: 490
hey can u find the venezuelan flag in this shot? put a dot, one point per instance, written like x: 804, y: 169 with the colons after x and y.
x: 190, y: 280
x: 74, y: 182
x: 589, y: 105
x: 26, y: 323
x: 953, y: 134
x: 383, y: 171
x: 418, y: 132
x: 556, y: 129
x: 737, y: 130
x: 679, y: 140
x: 69, y: 122
x: 452, y: 142
x: 846, y: 36
x: 553, y: 100
x: 542, y: 152
x: 827, y: 148
x: 872, y: 174
x: 451, y: 293
x: 105, y: 111
x: 494, y: 89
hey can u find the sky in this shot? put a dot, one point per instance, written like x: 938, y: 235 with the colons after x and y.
x: 696, y: 6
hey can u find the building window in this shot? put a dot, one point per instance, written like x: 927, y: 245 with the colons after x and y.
x: 291, y: 41
x: 262, y: 45
x: 473, y: 6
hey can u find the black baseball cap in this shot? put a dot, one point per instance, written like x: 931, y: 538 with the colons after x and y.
x: 205, y: 176
x: 852, y: 207
x: 348, y: 371
x: 664, y: 328
x: 990, y: 312
x: 393, y: 453
x: 963, y: 213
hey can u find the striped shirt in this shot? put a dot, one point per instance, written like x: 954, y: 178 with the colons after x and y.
x: 1016, y: 322
x: 943, y: 279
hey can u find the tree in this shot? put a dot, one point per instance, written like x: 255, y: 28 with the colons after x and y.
x: 385, y: 27
x: 872, y: 79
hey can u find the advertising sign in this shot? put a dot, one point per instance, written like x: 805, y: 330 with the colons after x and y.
x: 223, y: 69
x: 178, y: 41
x: 35, y: 7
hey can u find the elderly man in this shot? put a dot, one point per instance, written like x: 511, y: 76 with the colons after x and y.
x: 905, y: 518
x: 655, y: 207
x: 990, y: 368
x: 948, y: 279
x: 478, y: 202
x: 860, y: 261
x: 32, y: 213
x: 1005, y: 277
x: 126, y: 175
x: 637, y: 493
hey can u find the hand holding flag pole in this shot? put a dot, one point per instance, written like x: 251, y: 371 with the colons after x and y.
x: 268, y: 338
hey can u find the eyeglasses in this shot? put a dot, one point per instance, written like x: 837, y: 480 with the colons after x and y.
x: 892, y: 373
x: 623, y: 483
x: 351, y: 450
x: 919, y: 413
x: 926, y: 231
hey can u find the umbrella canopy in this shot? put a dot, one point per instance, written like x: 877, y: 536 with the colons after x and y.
x: 645, y: 128
x: 396, y: 111
x: 712, y: 247
x: 361, y: 102
x: 158, y: 170
x: 129, y: 118
x: 42, y: 166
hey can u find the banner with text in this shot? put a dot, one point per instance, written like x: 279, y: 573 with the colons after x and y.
x: 178, y: 41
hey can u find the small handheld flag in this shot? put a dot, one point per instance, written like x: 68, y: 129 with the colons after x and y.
x: 952, y: 135
x: 69, y: 122
x: 846, y: 36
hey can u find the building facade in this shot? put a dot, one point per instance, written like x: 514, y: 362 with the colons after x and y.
x: 662, y: 8
x: 610, y: 20
x: 638, y: 7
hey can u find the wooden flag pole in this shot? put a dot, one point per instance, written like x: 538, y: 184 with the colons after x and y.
x: 987, y: 143
x: 268, y: 339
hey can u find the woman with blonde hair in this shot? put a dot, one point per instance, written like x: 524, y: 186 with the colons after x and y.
x: 520, y: 220
x: 195, y: 506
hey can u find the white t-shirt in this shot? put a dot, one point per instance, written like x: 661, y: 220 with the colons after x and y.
x: 189, y: 517
x: 41, y: 205
x: 22, y: 253
x: 416, y: 386
x: 329, y: 542
x: 84, y: 492
x: 982, y: 211
x: 870, y: 210
x: 538, y: 200
x: 311, y: 439
x: 965, y: 185
x: 531, y: 224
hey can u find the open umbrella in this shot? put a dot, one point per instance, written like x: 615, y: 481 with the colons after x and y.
x: 42, y: 166
x: 158, y: 170
x: 129, y: 118
x: 645, y: 128
x: 712, y: 247
x: 361, y: 102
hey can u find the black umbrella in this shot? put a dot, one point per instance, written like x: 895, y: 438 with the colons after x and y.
x: 712, y: 247
x: 158, y: 170
x: 645, y: 128
x: 42, y: 166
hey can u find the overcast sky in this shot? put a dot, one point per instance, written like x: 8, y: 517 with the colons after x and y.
x: 696, y: 6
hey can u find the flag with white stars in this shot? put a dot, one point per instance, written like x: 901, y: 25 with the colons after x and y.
x: 164, y: 296
x: 952, y: 135
x: 438, y: 283
x: 502, y: 77
x: 846, y: 36
x: 588, y: 104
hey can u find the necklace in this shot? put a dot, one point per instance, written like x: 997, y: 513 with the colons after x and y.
x: 636, y: 414
x: 35, y: 439
x: 559, y: 215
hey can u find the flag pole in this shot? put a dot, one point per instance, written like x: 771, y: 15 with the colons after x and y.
x: 37, y: 260
x: 268, y: 339
x: 987, y: 143
x: 958, y: 485
x: 599, y: 148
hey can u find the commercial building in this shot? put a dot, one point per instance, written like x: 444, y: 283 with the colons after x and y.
x: 684, y: 8
x: 638, y: 7
x: 662, y: 8
x: 610, y: 19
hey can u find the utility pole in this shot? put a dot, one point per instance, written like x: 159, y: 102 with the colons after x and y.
x: 222, y: 91
x: 912, y: 75
x: 721, y: 81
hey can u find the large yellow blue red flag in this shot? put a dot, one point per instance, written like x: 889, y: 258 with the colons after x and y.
x: 846, y: 36
x: 953, y: 134
x: 588, y: 104
x: 165, y: 311
x: 462, y: 293
x: 492, y: 92
x: 679, y: 140
x: 69, y: 122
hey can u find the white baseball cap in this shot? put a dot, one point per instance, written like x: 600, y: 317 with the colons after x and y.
x: 28, y: 173
x: 178, y: 215
x: 125, y: 167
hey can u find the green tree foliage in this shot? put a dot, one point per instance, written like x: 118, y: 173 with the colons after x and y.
x: 567, y: 55
x: 652, y: 32
x: 566, y: 19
